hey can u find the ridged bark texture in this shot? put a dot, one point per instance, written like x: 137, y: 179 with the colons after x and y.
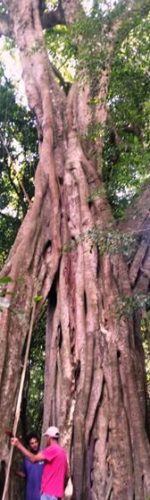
x: 94, y: 387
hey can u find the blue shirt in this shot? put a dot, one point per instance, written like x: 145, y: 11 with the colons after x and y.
x: 33, y: 474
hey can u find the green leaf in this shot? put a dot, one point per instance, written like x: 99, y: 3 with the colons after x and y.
x: 5, y: 280
x: 37, y: 298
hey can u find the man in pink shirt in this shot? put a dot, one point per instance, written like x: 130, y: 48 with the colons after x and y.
x: 55, y: 470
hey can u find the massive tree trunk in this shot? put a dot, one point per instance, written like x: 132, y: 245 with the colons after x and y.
x: 94, y: 380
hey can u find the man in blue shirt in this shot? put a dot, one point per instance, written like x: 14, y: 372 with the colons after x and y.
x: 32, y: 472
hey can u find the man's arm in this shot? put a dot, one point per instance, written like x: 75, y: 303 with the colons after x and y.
x: 33, y: 458
x: 66, y: 480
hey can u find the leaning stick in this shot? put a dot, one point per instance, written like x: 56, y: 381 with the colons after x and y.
x: 18, y: 407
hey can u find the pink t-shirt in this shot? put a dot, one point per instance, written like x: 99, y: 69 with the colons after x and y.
x: 55, y: 470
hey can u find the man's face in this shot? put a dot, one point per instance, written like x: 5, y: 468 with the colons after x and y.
x: 34, y: 445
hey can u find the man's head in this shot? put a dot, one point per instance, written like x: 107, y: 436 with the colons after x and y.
x: 33, y: 442
x: 51, y: 434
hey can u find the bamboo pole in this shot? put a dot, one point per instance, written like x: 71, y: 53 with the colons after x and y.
x: 18, y: 407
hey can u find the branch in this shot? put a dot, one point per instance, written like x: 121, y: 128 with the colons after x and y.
x: 138, y: 213
x: 66, y: 85
x: 65, y: 13
x: 53, y: 17
x: 70, y: 9
x: 137, y: 223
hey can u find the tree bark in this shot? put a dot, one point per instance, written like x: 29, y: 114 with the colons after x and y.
x: 94, y: 388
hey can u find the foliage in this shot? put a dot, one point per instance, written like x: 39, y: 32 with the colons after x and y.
x: 77, y: 49
x: 109, y: 241
x: 2, y: 8
x: 62, y: 50
x: 145, y: 331
x: 33, y: 392
x: 127, y: 142
x: 18, y: 156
